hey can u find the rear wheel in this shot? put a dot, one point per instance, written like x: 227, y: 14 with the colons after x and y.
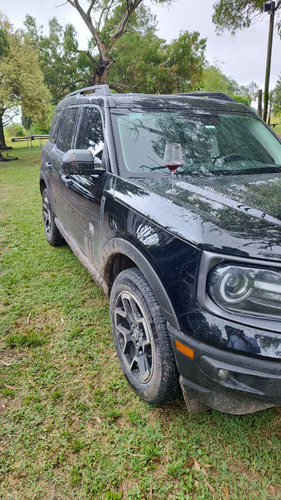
x: 53, y: 235
x: 141, y: 338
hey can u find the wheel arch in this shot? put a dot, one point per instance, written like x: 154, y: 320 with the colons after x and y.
x: 42, y: 183
x: 118, y: 255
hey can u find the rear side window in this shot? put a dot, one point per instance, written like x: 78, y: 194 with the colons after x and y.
x: 90, y: 133
x: 54, y: 126
x: 67, y: 128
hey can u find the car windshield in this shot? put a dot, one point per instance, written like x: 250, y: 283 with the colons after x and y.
x: 211, y: 144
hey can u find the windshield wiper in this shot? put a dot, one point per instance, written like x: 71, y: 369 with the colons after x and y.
x: 220, y: 172
x: 249, y: 171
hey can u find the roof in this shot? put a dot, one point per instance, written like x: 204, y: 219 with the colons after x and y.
x: 204, y: 101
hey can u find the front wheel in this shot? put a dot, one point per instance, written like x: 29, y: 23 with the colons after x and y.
x: 52, y: 233
x: 141, y: 338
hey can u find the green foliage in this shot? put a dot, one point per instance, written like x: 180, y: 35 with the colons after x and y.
x: 250, y: 91
x: 108, y: 21
x: 214, y: 80
x: 276, y: 97
x: 4, y: 43
x: 15, y: 130
x: 234, y: 15
x: 21, y: 80
x: 138, y: 63
x: 150, y: 65
x: 42, y: 126
x: 186, y: 60
x: 244, y: 99
x: 64, y: 67
x: 141, y: 21
x: 142, y: 61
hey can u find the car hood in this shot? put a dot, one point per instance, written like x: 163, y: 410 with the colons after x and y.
x: 236, y: 214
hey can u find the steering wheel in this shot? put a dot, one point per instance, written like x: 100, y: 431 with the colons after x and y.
x: 232, y: 157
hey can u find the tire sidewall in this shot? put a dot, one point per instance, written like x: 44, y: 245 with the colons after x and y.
x: 53, y: 236
x: 134, y: 282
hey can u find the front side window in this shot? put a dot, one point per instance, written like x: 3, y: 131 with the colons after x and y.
x: 67, y: 128
x: 90, y: 134
x: 223, y: 142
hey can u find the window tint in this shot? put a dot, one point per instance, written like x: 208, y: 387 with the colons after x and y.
x: 67, y: 128
x: 90, y: 133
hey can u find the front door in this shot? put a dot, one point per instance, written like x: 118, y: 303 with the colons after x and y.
x: 83, y: 193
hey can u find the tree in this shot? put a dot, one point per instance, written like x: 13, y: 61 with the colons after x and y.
x: 21, y: 80
x: 214, y: 80
x: 143, y: 62
x: 276, y: 97
x: 107, y: 21
x: 234, y: 15
x: 138, y: 63
x: 64, y: 67
x: 186, y: 61
x: 148, y: 64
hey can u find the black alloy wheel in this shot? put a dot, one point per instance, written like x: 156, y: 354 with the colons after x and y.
x: 141, y: 338
x: 53, y: 235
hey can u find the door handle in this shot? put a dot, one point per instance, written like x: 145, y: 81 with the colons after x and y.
x: 48, y: 165
x: 66, y: 180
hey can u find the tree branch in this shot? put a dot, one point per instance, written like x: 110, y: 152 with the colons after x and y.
x: 121, y: 87
x: 92, y: 59
x: 86, y: 16
x: 92, y: 3
x: 106, y: 10
x: 131, y: 7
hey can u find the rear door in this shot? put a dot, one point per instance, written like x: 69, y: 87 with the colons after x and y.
x: 59, y: 187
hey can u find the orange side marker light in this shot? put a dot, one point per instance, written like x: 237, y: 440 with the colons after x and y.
x: 184, y: 349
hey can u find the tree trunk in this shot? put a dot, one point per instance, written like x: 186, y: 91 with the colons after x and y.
x: 2, y: 137
x: 101, y: 70
x: 99, y: 76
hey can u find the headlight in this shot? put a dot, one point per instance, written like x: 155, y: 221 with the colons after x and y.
x: 246, y: 290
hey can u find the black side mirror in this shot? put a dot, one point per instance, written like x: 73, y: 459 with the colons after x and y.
x: 80, y: 162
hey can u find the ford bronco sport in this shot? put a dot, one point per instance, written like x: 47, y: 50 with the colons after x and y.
x: 194, y: 275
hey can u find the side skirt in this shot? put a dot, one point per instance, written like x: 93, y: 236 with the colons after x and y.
x: 85, y: 261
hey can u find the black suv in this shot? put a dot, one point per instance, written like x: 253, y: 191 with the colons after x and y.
x: 193, y: 273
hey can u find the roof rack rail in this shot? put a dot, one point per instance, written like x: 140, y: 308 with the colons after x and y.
x: 215, y: 95
x: 96, y: 89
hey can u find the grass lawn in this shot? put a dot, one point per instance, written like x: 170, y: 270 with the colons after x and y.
x: 70, y: 426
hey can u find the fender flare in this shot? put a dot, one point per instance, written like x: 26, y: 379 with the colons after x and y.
x: 42, y: 179
x: 117, y: 246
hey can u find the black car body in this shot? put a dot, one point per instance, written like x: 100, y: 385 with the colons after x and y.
x: 194, y: 278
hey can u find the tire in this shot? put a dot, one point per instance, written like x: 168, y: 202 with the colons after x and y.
x: 52, y: 233
x: 141, y: 338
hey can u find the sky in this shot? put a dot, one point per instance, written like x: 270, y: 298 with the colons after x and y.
x: 241, y: 57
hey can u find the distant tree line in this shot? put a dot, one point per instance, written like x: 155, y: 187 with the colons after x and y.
x: 37, y: 69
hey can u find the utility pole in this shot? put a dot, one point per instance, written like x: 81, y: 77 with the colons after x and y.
x: 271, y: 8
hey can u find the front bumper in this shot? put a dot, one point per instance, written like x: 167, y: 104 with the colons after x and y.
x: 221, y: 379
